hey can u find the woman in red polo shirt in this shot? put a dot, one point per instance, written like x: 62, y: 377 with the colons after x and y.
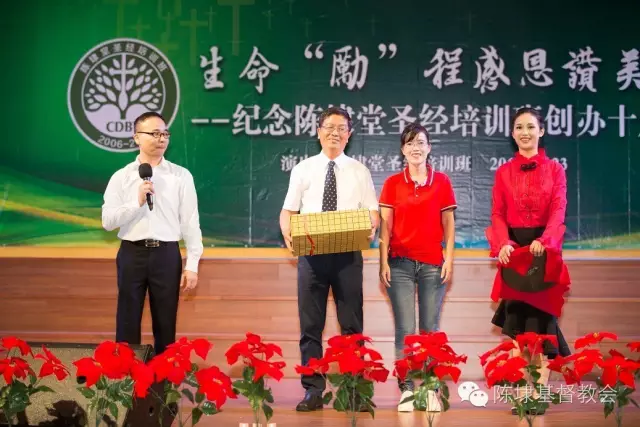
x: 416, y: 207
x: 528, y: 211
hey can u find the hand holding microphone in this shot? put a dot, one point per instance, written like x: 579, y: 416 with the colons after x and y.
x: 145, y: 191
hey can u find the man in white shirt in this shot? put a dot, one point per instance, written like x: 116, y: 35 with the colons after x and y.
x: 328, y: 181
x: 149, y: 255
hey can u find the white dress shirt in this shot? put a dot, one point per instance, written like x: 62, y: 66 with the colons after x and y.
x: 353, y: 180
x: 175, y: 208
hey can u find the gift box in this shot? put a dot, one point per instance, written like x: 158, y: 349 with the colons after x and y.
x: 330, y: 232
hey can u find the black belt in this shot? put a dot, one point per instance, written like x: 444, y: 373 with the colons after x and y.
x: 151, y: 243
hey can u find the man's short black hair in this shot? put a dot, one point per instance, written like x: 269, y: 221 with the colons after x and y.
x: 144, y: 116
x: 335, y: 111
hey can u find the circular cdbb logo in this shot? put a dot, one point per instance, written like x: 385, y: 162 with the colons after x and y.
x: 114, y: 83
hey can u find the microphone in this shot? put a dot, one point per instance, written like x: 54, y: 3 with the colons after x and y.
x: 146, y: 173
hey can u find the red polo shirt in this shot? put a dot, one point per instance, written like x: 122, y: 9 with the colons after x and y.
x: 417, y: 231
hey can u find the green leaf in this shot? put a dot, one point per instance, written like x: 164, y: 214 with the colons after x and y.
x: 327, y: 397
x: 626, y: 391
x: 32, y: 379
x: 445, y: 405
x: 365, y: 389
x: 623, y: 401
x: 432, y: 382
x: 127, y: 385
x: 268, y: 411
x: 268, y: 396
x: 247, y: 374
x: 340, y: 403
x: 199, y: 398
x: 445, y: 390
x: 371, y: 411
x: 420, y: 398
x: 241, y: 385
x: 172, y: 397
x: 17, y: 401
x: 196, y: 414
x: 114, y: 410
x: 408, y: 399
x: 188, y: 394
x: 209, y: 408
x: 335, y: 379
x: 191, y: 381
x: 42, y: 388
x: 102, y: 383
x: 535, y: 375
x: 254, y: 403
x: 113, y: 392
x: 127, y: 402
x: 608, y: 408
x: 87, y: 392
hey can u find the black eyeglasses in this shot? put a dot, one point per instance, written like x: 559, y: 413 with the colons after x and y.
x: 158, y: 134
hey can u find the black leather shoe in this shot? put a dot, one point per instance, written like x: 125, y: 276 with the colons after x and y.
x: 311, y: 402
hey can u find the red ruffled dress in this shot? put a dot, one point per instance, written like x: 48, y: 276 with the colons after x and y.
x: 529, y: 203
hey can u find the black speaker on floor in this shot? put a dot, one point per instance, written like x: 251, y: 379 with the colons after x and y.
x: 69, y: 408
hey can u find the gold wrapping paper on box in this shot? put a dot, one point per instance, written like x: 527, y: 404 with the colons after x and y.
x: 330, y: 232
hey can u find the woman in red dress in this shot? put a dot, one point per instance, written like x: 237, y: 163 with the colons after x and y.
x: 527, y: 218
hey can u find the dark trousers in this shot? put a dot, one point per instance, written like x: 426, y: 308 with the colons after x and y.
x: 159, y: 270
x: 316, y: 274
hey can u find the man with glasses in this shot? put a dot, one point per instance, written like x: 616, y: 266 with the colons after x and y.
x: 329, y: 181
x: 149, y: 255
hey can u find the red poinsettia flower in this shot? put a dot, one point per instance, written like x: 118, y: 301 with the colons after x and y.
x: 504, y: 368
x: 170, y: 367
x: 14, y: 367
x: 534, y: 342
x: 250, y: 348
x: 143, y: 377
x: 348, y: 341
x: 116, y: 359
x: 368, y: 353
x: 375, y: 371
x: 183, y: 346
x: 502, y: 347
x: 618, y: 368
x: 404, y: 366
x: 9, y: 343
x: 259, y: 347
x: 585, y: 360
x: 271, y: 369
x: 421, y: 352
x: 562, y: 365
x: 437, y: 338
x: 51, y: 365
x: 594, y: 338
x: 443, y: 370
x: 215, y: 385
x: 634, y: 346
x: 90, y: 369
x: 430, y: 353
x: 320, y: 366
x: 350, y: 363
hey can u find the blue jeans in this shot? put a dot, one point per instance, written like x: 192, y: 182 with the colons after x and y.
x: 406, y: 276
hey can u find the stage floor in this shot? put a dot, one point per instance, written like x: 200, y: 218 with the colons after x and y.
x: 288, y: 392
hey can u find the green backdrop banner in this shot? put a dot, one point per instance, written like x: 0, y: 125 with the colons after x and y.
x: 242, y: 83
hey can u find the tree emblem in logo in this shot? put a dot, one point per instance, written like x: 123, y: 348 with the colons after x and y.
x: 113, y: 84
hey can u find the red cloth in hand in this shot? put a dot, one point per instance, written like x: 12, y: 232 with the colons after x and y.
x: 550, y: 300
